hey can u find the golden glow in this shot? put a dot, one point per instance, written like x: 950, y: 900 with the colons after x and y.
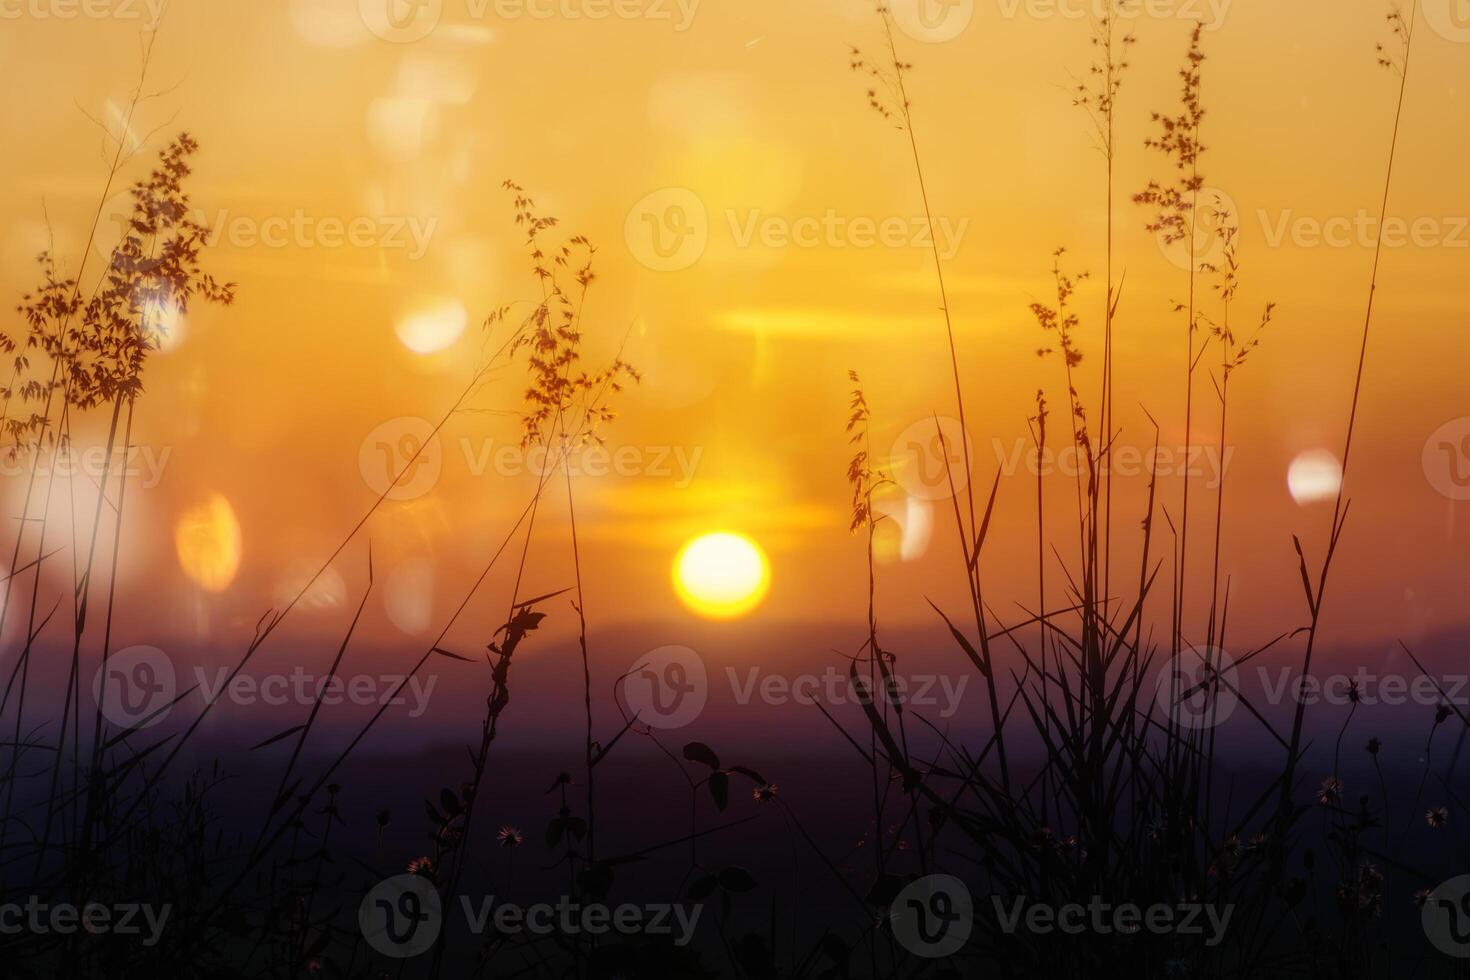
x: 738, y: 422
x: 167, y: 320
x: 721, y: 575
x: 1313, y: 476
x: 326, y: 591
x: 207, y: 538
x: 434, y: 328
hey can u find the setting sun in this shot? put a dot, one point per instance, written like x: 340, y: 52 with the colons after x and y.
x: 721, y: 575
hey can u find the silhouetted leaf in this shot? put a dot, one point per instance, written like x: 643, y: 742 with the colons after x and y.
x: 699, y: 752
x: 449, y: 802
x: 750, y: 774
x: 452, y: 656
x: 964, y: 643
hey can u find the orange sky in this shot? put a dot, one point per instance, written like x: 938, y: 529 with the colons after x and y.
x: 311, y: 125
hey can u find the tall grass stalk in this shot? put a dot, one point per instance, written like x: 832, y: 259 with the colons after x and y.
x: 1396, y: 60
x: 893, y: 104
x: 56, y: 303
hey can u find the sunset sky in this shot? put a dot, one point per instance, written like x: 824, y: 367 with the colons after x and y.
x: 268, y: 417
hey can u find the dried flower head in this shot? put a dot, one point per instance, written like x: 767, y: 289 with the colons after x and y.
x: 886, y: 92
x: 1395, y: 55
x: 565, y: 404
x: 862, y: 476
x: 1097, y: 94
x: 1179, y: 140
x: 1330, y: 792
x: 95, y: 350
x: 1060, y: 320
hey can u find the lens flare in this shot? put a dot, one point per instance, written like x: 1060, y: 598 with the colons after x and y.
x: 207, y: 538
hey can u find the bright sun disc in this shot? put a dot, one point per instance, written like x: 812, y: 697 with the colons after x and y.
x: 721, y: 575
